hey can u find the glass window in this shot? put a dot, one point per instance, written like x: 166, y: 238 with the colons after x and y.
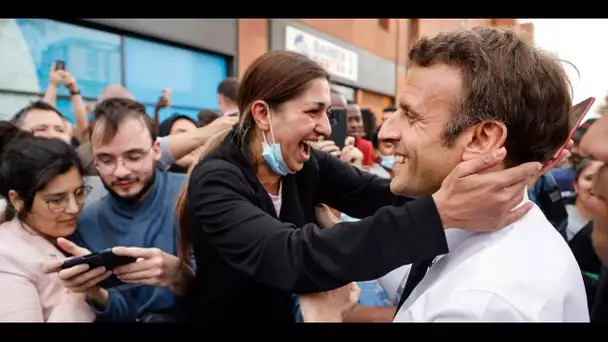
x: 192, y: 76
x: 10, y: 104
x: 164, y: 113
x: 65, y: 107
x: 30, y: 46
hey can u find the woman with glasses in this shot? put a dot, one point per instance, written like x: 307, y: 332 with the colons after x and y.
x: 42, y: 181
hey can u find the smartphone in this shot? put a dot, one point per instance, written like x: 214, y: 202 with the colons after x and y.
x: 59, y: 65
x: 105, y: 258
x: 339, y: 126
x: 577, y: 114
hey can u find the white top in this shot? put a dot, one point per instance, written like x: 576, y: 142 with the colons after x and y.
x: 576, y: 221
x: 277, y: 200
x: 524, y: 272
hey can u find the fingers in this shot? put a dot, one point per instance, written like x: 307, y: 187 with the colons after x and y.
x: 148, y: 277
x: 52, y: 267
x: 79, y: 278
x: 73, y: 272
x: 522, y: 173
x: 481, y: 163
x: 92, y: 282
x: 139, y: 265
x: 71, y: 247
x: 135, y: 252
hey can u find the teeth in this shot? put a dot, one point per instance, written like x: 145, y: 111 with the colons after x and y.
x: 308, y: 142
x: 400, y: 159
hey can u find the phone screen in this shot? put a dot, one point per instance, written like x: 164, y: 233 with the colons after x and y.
x: 577, y: 114
x: 339, y: 126
x: 59, y: 65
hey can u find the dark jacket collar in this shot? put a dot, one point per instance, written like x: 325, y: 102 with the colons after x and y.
x: 291, y: 209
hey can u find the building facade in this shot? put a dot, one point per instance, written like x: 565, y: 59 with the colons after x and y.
x: 189, y: 56
x: 366, y: 58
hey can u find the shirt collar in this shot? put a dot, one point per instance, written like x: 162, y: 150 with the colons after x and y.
x: 456, y: 236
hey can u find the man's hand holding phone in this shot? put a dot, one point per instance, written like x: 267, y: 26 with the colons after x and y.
x: 79, y: 278
x: 153, y: 267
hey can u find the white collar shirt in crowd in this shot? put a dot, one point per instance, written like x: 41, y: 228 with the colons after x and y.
x: 522, y: 273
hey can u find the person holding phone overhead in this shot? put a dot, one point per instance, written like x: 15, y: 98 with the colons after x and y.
x: 248, y: 211
x: 42, y: 180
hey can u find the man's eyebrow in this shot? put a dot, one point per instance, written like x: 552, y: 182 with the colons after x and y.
x: 408, y: 108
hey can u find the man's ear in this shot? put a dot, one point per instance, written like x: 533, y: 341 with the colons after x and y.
x: 259, y: 111
x: 156, y: 149
x: 484, y: 137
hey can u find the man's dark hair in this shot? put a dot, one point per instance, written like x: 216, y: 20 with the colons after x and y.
x: 207, y: 116
x: 507, y: 79
x: 113, y: 112
x: 229, y: 88
x: 389, y: 109
x: 41, y: 105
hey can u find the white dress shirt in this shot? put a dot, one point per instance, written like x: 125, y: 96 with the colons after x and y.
x: 522, y: 273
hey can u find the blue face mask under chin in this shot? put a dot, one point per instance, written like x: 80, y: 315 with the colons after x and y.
x: 273, y: 156
x: 387, y: 162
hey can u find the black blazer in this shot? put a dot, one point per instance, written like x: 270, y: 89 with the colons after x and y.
x: 250, y: 263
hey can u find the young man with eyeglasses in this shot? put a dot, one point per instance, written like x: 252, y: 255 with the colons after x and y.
x: 136, y: 219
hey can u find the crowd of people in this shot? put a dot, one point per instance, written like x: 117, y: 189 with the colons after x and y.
x: 437, y: 213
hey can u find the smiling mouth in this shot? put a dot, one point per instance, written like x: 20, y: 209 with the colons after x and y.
x: 401, y: 159
x: 305, y: 145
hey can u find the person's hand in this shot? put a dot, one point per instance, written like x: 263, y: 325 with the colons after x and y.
x: 327, y: 146
x: 330, y: 306
x: 484, y: 202
x: 153, y: 266
x: 222, y: 123
x: 352, y: 156
x: 55, y: 76
x: 325, y: 217
x: 563, y: 157
x: 165, y: 99
x: 79, y: 278
x: 68, y: 81
x: 349, y: 141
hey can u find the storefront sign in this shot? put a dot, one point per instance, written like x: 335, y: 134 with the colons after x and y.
x: 335, y: 59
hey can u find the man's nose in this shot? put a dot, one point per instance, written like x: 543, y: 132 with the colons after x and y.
x: 121, y: 170
x: 389, y: 131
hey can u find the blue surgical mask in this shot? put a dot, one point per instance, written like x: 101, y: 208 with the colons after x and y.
x: 387, y: 162
x: 272, y: 154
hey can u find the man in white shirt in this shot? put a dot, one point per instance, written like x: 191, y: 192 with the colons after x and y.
x: 467, y: 93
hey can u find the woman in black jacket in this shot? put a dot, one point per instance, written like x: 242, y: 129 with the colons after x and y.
x: 248, y: 212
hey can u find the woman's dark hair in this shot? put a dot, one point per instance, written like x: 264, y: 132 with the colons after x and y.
x: 275, y: 77
x: 29, y: 163
x: 164, y: 128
